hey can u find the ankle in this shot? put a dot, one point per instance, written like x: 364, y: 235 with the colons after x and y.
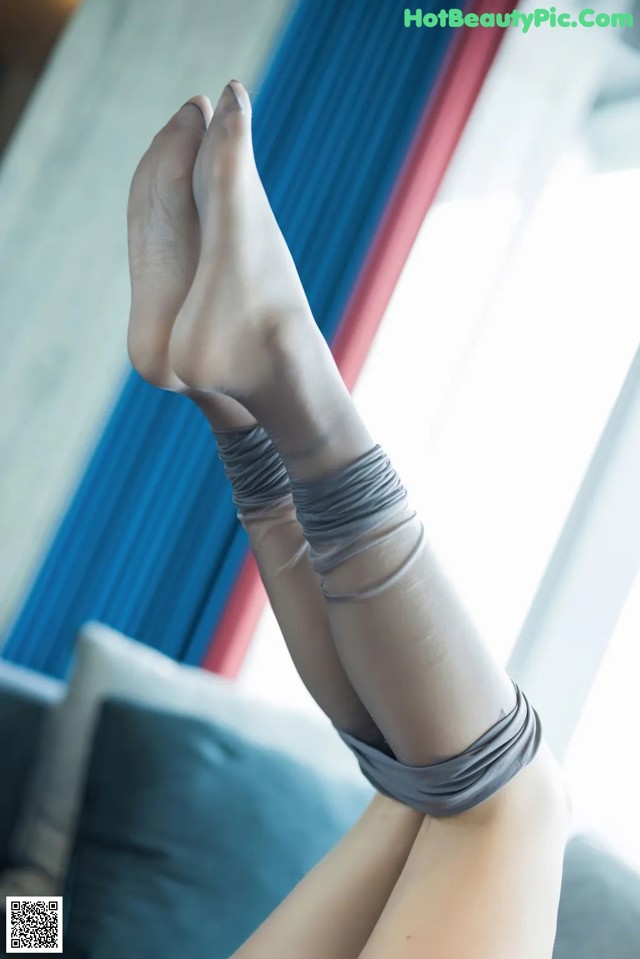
x: 223, y: 413
x: 256, y: 472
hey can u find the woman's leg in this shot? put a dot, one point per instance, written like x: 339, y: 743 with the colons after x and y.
x: 412, y: 655
x: 484, y: 886
x: 485, y: 880
x: 265, y: 506
x: 326, y: 914
x: 332, y: 911
x: 164, y: 250
x: 269, y: 350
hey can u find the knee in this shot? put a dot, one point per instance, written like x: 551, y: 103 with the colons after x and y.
x: 538, y: 792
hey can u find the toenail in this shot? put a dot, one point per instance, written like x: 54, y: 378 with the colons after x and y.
x: 235, y: 95
x: 190, y: 103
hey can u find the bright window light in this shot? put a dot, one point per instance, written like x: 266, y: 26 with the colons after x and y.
x: 507, y: 391
x: 601, y: 765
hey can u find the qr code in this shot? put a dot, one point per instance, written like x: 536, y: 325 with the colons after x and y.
x: 34, y: 924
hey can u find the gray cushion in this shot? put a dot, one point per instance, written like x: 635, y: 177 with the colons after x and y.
x: 107, y: 663
x: 190, y: 835
x: 26, y: 699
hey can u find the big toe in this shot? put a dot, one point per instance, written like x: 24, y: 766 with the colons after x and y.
x: 197, y: 109
x: 181, y: 138
x: 232, y: 114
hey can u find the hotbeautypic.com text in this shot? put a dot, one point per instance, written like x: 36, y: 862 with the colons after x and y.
x: 540, y: 17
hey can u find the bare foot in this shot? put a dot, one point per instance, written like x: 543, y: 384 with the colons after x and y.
x: 246, y: 284
x: 164, y: 250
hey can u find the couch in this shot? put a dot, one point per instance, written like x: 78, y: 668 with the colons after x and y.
x: 173, y: 813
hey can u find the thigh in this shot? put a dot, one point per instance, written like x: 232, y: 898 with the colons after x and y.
x: 484, y: 885
x: 333, y: 910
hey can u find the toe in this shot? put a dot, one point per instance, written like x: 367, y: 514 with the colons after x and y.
x: 240, y: 94
x: 196, y: 109
x: 232, y: 114
x: 178, y: 142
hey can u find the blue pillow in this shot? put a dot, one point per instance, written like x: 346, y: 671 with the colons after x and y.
x: 190, y: 835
